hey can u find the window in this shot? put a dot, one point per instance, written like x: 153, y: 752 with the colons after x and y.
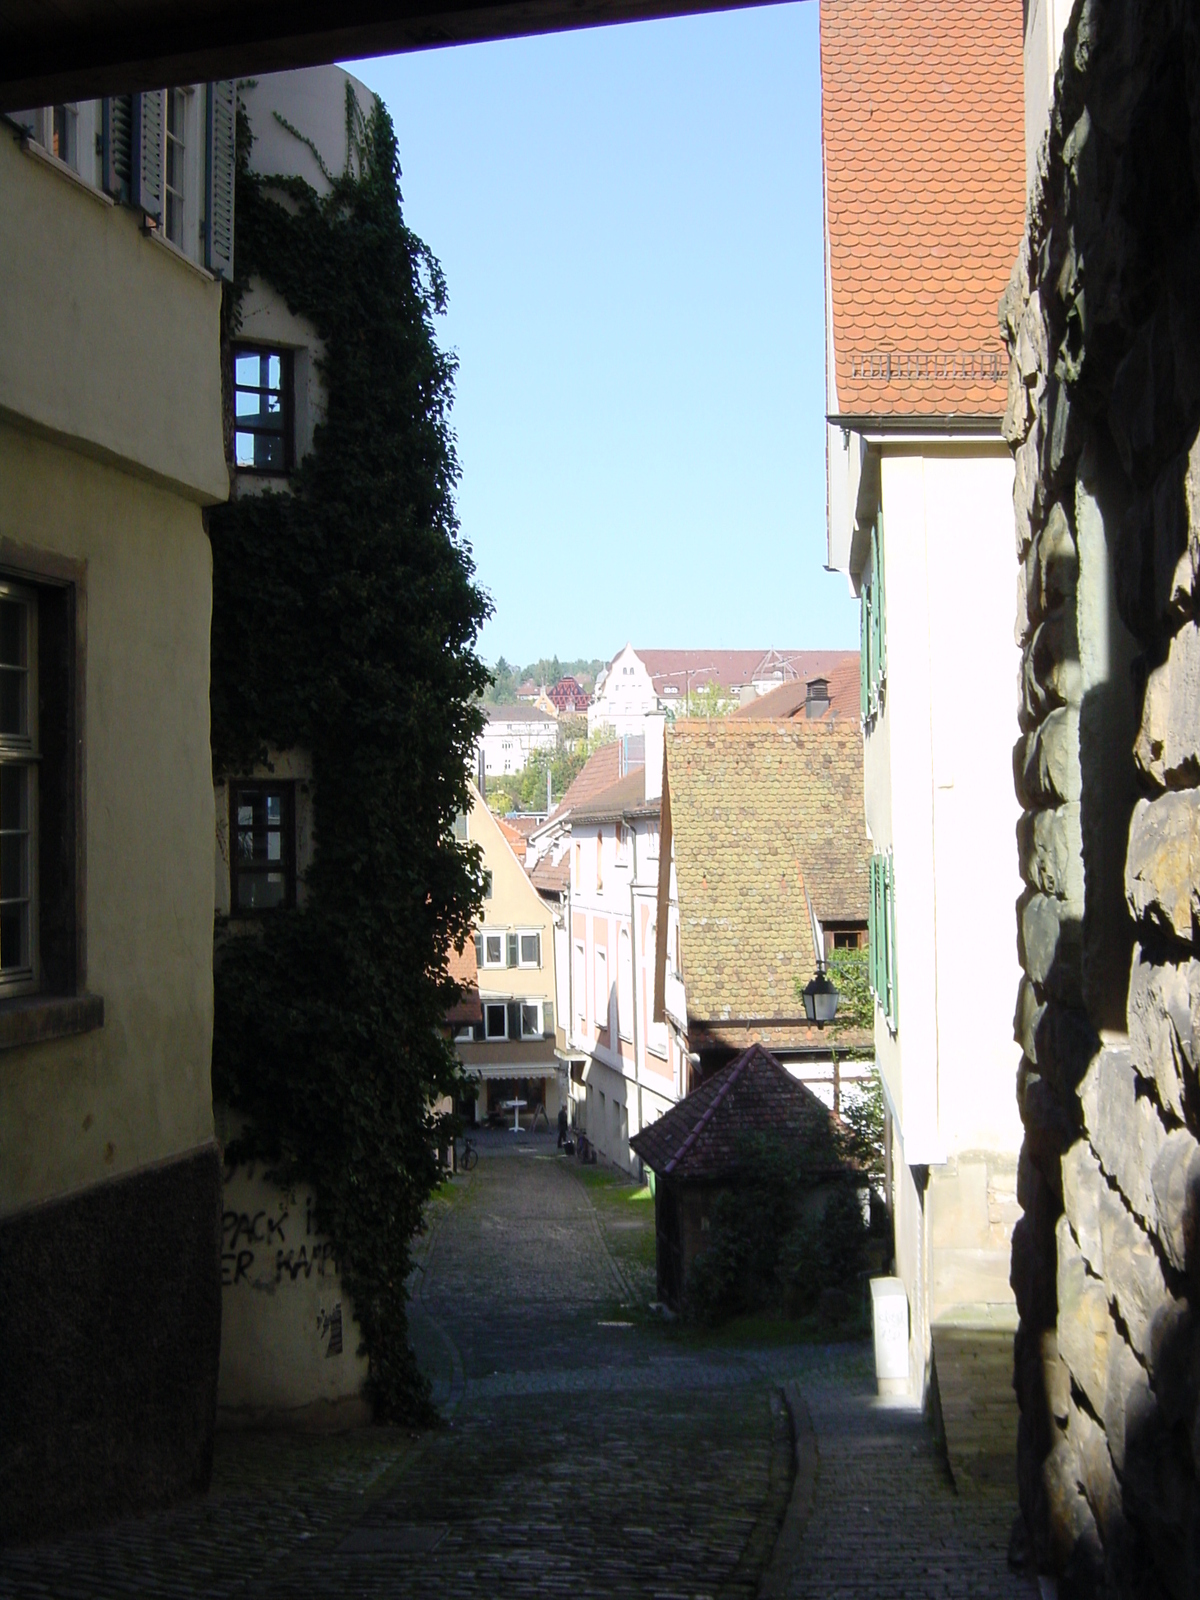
x: 602, y: 988
x: 599, y: 862
x: 263, y: 409
x: 579, y: 975
x: 531, y: 1020
x: 460, y: 825
x: 173, y: 185
x: 491, y: 949
x: 578, y: 865
x: 624, y: 835
x: 882, y: 936
x: 487, y: 883
x: 625, y: 985
x: 495, y: 1020
x: 19, y: 754
x: 872, y: 664
x: 263, y: 867
x: 530, y: 950
x: 61, y: 135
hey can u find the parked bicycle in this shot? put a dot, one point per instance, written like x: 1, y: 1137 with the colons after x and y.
x: 469, y: 1155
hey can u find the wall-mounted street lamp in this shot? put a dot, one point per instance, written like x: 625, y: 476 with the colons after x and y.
x: 820, y: 995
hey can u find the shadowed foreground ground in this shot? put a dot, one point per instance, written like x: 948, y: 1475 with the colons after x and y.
x: 588, y: 1449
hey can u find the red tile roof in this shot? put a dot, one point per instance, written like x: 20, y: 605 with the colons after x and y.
x: 704, y: 1135
x: 514, y: 836
x: 790, y: 698
x: 549, y: 878
x: 922, y: 110
x: 600, y: 771
x: 683, y: 670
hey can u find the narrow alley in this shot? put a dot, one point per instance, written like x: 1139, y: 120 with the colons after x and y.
x: 588, y: 1449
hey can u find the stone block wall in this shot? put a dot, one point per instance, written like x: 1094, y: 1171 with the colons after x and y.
x: 1103, y: 323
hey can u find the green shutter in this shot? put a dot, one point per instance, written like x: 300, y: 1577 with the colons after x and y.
x: 479, y: 950
x: 893, y: 987
x: 864, y: 658
x: 116, y: 125
x: 548, y: 1018
x: 148, y: 119
x: 514, y: 955
x: 880, y: 601
x: 220, y: 164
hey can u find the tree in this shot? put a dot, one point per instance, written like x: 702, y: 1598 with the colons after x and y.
x: 345, y: 615
x: 709, y: 700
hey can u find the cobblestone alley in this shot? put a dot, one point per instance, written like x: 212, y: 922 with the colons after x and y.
x: 589, y: 1450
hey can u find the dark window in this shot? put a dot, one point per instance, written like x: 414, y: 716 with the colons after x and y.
x: 18, y: 785
x: 495, y: 1021
x: 262, y: 440
x: 41, y: 743
x: 263, y: 873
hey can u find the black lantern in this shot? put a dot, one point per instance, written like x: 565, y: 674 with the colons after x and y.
x: 820, y: 998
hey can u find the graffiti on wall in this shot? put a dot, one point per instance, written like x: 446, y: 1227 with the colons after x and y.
x: 269, y: 1246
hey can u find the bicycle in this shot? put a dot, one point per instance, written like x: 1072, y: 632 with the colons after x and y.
x: 469, y: 1155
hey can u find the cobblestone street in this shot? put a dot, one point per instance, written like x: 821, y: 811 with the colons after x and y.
x: 588, y: 1450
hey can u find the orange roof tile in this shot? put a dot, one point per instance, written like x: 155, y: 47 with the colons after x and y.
x: 515, y: 837
x: 923, y: 133
x: 789, y: 699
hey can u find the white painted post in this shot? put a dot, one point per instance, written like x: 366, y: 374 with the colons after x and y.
x: 889, y: 1314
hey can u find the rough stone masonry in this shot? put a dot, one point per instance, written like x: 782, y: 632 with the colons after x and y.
x: 1102, y: 319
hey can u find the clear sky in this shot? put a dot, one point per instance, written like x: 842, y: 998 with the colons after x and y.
x: 629, y: 220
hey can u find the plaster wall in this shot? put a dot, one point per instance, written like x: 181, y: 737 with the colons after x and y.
x: 289, y: 1340
x: 313, y: 100
x: 109, y: 342
x: 514, y: 904
x: 137, y: 1091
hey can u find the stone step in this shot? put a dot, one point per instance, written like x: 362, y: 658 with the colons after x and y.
x: 973, y: 1365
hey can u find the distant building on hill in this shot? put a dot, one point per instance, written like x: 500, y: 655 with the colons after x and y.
x: 637, y: 683
x: 570, y: 699
x: 512, y: 734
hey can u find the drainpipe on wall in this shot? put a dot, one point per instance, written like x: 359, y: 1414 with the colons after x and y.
x: 637, y: 1077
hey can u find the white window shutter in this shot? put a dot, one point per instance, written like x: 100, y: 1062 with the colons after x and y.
x: 149, y: 118
x: 221, y: 166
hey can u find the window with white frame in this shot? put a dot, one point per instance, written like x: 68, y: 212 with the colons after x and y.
x: 19, y: 755
x: 531, y: 1019
x: 580, y: 981
x: 529, y: 949
x: 62, y: 124
x: 625, y: 985
x: 623, y: 837
x: 599, y: 862
x: 495, y: 1020
x: 601, y: 987
x: 490, y: 948
x: 173, y: 174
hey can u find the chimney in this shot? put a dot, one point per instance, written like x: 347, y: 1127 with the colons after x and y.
x: 655, y: 725
x: 816, y: 700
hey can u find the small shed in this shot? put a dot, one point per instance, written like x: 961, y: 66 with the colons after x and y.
x: 697, y: 1147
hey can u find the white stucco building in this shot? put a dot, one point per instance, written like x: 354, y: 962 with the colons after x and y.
x: 920, y: 518
x: 512, y: 734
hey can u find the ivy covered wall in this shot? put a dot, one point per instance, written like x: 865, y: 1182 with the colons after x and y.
x: 345, y: 614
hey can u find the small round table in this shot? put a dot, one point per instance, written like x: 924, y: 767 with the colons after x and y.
x: 516, y: 1107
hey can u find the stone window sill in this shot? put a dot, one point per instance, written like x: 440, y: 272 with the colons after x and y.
x: 35, y: 1018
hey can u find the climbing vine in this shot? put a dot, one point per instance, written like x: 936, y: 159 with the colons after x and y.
x: 345, y: 615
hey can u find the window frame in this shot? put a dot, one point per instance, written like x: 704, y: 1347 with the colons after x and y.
x: 502, y: 1007
x: 23, y: 750
x: 287, y: 788
x: 175, y: 100
x: 522, y: 935
x: 536, y: 1007
x: 58, y: 1004
x: 494, y: 933
x: 287, y: 386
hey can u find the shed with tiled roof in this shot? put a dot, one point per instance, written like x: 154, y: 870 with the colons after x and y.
x: 701, y: 1144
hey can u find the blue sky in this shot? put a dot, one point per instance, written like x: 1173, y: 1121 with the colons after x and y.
x: 629, y: 220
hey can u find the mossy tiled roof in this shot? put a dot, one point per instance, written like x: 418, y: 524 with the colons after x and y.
x: 759, y: 811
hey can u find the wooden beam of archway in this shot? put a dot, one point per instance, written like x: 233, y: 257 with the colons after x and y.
x: 82, y: 49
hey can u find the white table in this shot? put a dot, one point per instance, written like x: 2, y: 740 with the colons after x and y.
x: 516, y: 1107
